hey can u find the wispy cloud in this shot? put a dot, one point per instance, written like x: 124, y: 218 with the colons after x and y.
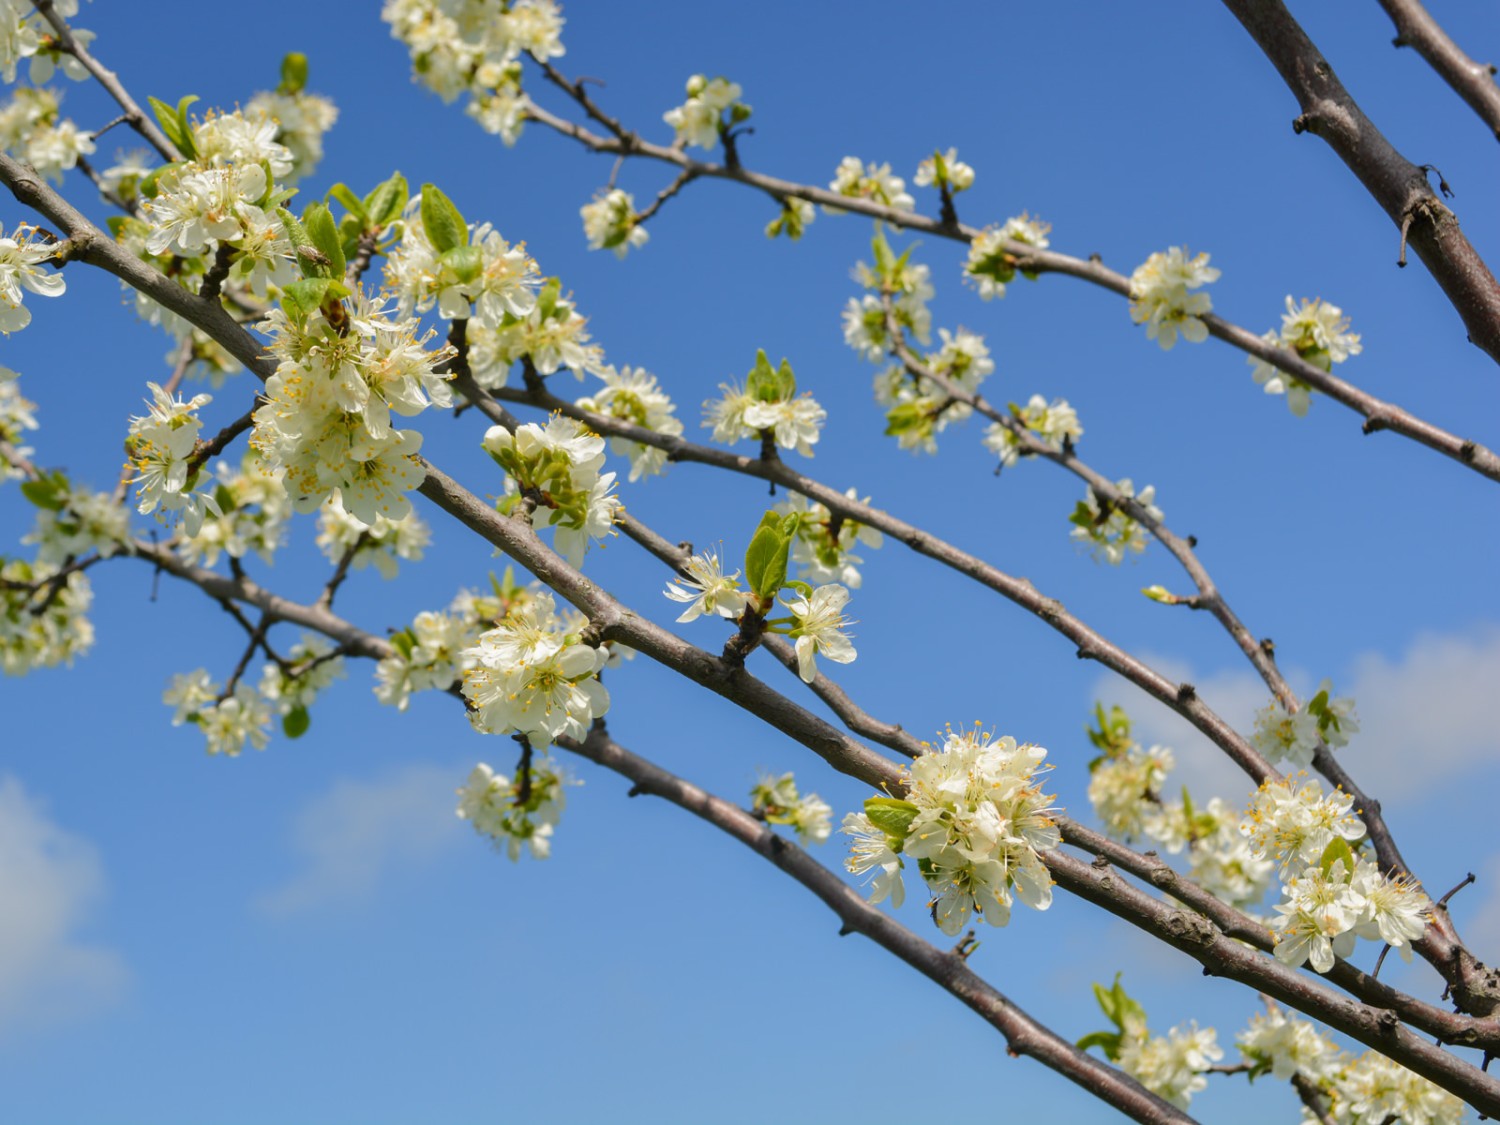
x: 1432, y: 708
x: 360, y: 830
x: 49, y: 880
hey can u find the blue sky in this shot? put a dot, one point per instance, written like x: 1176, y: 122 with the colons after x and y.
x: 307, y: 934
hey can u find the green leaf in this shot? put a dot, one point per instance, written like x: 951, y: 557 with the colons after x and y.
x: 295, y: 722
x: 1083, y: 516
x: 442, y: 221
x: 1338, y: 851
x: 385, y: 204
x: 293, y: 73
x: 786, y: 382
x: 404, y: 642
x: 174, y: 124
x: 761, y: 383
x: 546, y: 300
x: 465, y: 263
x: 318, y: 221
x: 885, y: 260
x: 1110, y: 1041
x: 354, y: 204
x: 890, y: 815
x: 300, y: 299
x: 47, y: 492
x: 759, y: 556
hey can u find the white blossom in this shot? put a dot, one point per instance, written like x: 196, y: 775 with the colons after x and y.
x: 708, y: 589
x: 1160, y: 296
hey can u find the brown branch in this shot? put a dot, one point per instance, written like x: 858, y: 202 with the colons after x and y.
x: 1313, y: 1099
x: 1024, y: 1035
x: 1473, y: 82
x: 1378, y: 414
x: 141, y: 122
x: 685, y: 177
x: 1395, y: 183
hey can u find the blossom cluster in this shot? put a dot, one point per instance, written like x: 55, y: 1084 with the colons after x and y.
x: 21, y: 255
x: 556, y: 467
x: 1295, y: 735
x: 518, y: 812
x: 42, y: 616
x: 974, y: 820
x: 380, y: 544
x: 776, y: 801
x: 474, y: 47
x: 1356, y: 1090
x: 634, y: 395
x: 534, y: 674
x: 239, y: 715
x: 429, y: 654
x: 1171, y: 1066
x: 301, y: 118
x: 1108, y: 529
x: 325, y: 425
x: 991, y: 264
x: 701, y: 120
x: 945, y: 170
x: 25, y: 34
x: 73, y: 521
x: 252, y: 516
x: 609, y: 223
x: 907, y: 285
x: 1327, y: 905
x: 161, y: 446
x: 768, y: 406
x: 874, y: 182
x: 1160, y: 296
x: 1054, y: 424
x: 17, y: 417
x: 917, y: 408
x: 552, y: 335
x: 1317, y: 332
x: 33, y: 128
x: 823, y: 549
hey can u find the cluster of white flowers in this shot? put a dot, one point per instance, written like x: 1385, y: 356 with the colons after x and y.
x: 1294, y: 821
x: 945, y: 169
x: 609, y: 223
x: 75, y: 521
x: 503, y: 809
x: 1328, y: 905
x: 766, y: 406
x: 33, y: 128
x: 796, y: 216
x: 824, y: 547
x: 534, y: 675
x: 634, y: 395
x: 290, y: 689
x: 871, y: 181
x: 1316, y: 331
x: 160, y: 446
x: 991, y: 265
x: 700, y: 120
x: 1160, y: 297
x: 917, y: 409
x: 483, y: 279
x: 910, y: 286
x: 429, y: 654
x: 25, y: 34
x: 1108, y: 529
x: 42, y: 622
x: 474, y: 47
x: 1125, y: 789
x: 1295, y: 735
x: 301, y: 120
x: 326, y: 421
x: 21, y: 255
x: 17, y: 416
x: 1285, y: 1046
x: 776, y: 801
x: 557, y: 465
x: 1172, y: 1067
x: 229, y: 722
x: 381, y: 543
x: 1055, y: 425
x: 253, y: 514
x: 974, y: 819
x: 1372, y: 1088
x: 552, y: 335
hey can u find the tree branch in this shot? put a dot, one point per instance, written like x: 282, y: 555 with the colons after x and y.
x: 1472, y: 81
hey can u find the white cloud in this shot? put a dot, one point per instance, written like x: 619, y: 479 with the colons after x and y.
x: 1435, y: 706
x: 49, y: 879
x: 358, y: 831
